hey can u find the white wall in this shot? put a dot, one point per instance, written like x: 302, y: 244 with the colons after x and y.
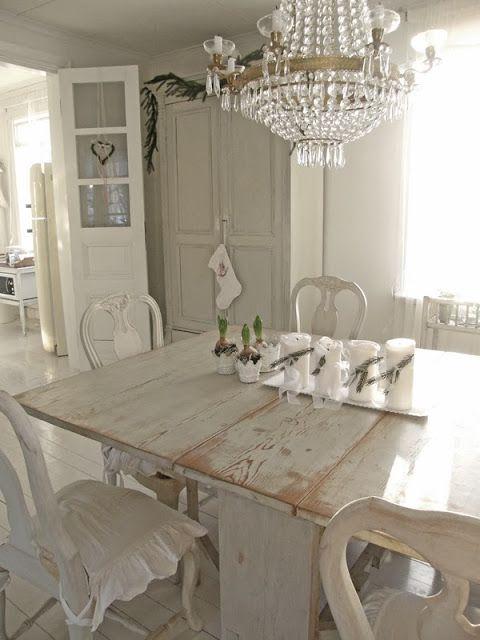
x: 363, y: 223
x: 363, y: 213
x: 306, y: 229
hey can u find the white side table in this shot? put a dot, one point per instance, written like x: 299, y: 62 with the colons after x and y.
x: 18, y: 287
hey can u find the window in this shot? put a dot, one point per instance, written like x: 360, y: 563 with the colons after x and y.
x: 442, y: 251
x: 31, y: 142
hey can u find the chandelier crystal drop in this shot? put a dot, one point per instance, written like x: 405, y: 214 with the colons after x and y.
x: 326, y: 77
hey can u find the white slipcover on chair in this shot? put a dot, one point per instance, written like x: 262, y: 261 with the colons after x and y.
x: 90, y: 543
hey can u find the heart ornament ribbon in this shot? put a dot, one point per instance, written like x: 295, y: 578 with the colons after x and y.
x: 102, y: 150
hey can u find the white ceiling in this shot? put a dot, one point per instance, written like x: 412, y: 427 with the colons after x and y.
x: 150, y: 26
x: 13, y: 77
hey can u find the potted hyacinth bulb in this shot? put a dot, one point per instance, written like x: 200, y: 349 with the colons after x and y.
x: 249, y: 360
x: 270, y: 352
x: 225, y: 351
x: 258, y: 328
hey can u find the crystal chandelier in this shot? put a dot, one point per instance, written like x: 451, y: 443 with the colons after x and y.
x: 326, y: 77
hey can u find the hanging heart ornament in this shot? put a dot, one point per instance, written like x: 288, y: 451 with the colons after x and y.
x: 102, y: 150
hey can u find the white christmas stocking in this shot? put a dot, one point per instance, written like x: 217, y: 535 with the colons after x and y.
x: 230, y: 287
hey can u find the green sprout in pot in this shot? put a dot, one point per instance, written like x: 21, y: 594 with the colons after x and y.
x: 248, y: 353
x: 258, y: 328
x: 224, y: 346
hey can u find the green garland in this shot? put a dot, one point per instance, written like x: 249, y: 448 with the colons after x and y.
x: 174, y: 86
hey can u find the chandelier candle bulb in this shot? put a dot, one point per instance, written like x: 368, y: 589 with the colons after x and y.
x: 218, y: 44
x: 277, y: 21
x: 400, y: 389
x: 231, y: 65
x: 292, y: 343
x: 364, y: 365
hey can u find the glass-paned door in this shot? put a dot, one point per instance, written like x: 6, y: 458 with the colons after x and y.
x: 103, y: 154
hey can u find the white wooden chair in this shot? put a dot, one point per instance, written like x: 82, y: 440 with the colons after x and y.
x: 325, y: 317
x: 448, y: 541
x: 90, y: 543
x: 127, y: 342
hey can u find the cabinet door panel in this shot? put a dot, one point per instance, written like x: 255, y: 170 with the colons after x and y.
x: 192, y: 229
x: 254, y: 270
x: 252, y: 184
x: 197, y: 282
x: 258, y: 205
x: 194, y: 171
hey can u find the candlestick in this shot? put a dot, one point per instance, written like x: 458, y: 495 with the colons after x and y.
x: 218, y: 44
x: 361, y: 351
x: 231, y: 65
x: 293, y: 342
x: 328, y: 382
x: 400, y: 389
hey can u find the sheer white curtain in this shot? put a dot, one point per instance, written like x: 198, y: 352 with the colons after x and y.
x: 443, y: 197
x: 442, y: 165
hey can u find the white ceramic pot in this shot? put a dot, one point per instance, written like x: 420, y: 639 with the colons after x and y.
x: 269, y: 354
x: 226, y: 364
x: 249, y: 372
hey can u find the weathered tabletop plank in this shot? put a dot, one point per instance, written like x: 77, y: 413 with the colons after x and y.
x: 160, y: 404
x: 284, y: 450
x: 425, y: 464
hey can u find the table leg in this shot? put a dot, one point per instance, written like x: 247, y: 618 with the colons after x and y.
x: 270, y: 580
x: 23, y: 321
x: 193, y: 513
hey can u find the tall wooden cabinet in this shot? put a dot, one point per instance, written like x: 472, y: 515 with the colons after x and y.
x: 226, y: 178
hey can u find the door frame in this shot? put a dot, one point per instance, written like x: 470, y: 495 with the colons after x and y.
x: 62, y: 218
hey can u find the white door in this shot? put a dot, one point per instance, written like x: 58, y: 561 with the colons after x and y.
x: 101, y: 106
x: 194, y: 206
x: 257, y: 206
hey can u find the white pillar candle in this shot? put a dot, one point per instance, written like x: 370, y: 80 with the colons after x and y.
x: 292, y: 343
x: 277, y: 20
x: 217, y: 44
x: 329, y: 380
x: 400, y: 394
x: 231, y: 65
x: 360, y: 352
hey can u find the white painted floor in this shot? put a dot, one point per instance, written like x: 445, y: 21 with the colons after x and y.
x: 23, y: 365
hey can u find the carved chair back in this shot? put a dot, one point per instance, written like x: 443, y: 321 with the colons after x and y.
x: 325, y: 317
x: 448, y: 541
x: 72, y: 573
x: 126, y: 339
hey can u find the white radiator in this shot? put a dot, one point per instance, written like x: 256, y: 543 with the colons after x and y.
x: 408, y: 324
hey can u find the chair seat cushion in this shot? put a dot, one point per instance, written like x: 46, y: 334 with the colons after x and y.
x: 125, y: 539
x: 116, y: 461
x: 392, y: 614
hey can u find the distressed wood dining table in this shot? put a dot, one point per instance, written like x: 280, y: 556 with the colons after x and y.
x: 281, y: 470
